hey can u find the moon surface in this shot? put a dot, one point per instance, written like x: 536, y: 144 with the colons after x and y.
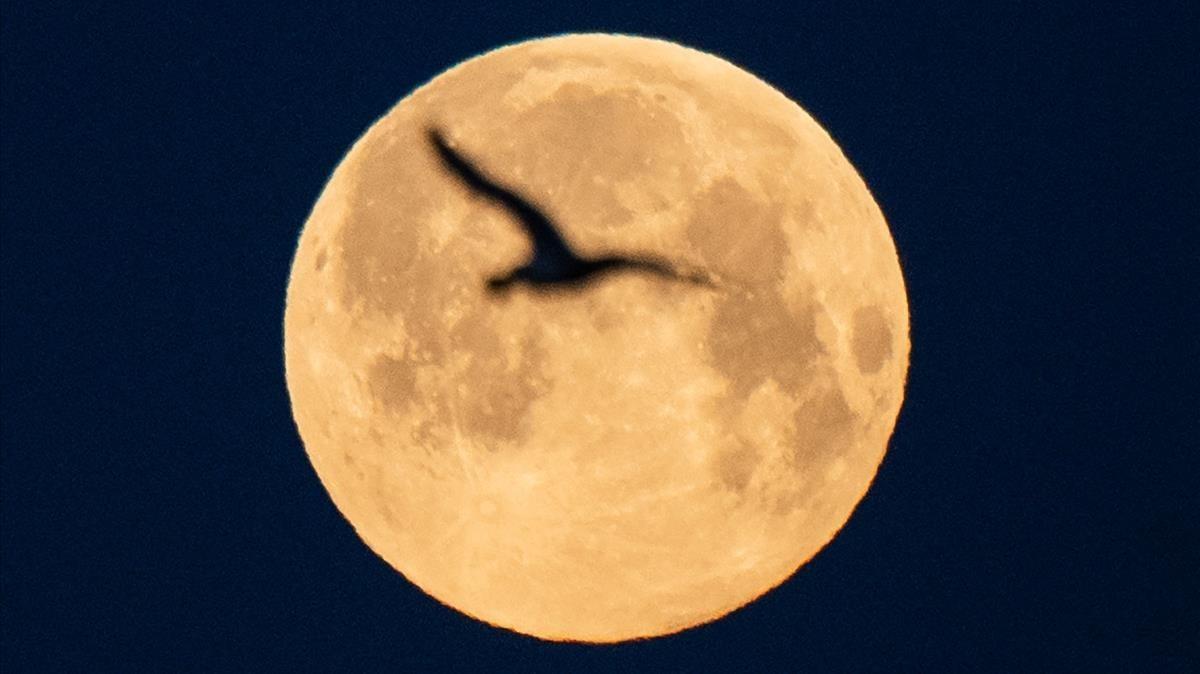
x: 637, y: 456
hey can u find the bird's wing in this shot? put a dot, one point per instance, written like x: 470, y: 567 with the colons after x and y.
x: 660, y: 267
x: 546, y: 239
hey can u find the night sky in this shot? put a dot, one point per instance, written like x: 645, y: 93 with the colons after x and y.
x: 1038, y: 166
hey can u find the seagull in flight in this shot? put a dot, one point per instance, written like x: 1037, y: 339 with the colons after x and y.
x: 553, y: 263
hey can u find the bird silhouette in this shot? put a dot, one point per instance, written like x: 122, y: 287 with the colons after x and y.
x: 553, y: 263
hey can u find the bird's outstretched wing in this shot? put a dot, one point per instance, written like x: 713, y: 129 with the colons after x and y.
x: 658, y: 267
x: 546, y: 239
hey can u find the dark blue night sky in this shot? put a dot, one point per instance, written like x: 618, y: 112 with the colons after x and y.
x: 1038, y: 165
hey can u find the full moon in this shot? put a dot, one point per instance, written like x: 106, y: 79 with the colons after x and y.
x: 633, y: 456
